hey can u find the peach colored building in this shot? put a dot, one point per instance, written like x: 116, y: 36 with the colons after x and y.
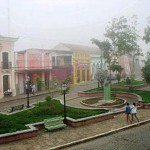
x: 7, y: 78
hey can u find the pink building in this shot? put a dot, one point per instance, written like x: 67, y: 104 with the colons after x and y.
x: 32, y: 63
x: 7, y: 79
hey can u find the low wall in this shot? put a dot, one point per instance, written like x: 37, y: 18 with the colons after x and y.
x: 105, y: 107
x: 88, y: 120
x: 117, y: 94
x: 19, y: 135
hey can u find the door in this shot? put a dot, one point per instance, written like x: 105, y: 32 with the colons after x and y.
x: 5, y: 82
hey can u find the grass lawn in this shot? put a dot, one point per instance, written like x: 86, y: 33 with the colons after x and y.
x: 117, y: 102
x: 92, y: 100
x: 133, y: 82
x: 43, y: 110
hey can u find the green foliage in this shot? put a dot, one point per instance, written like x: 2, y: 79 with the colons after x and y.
x: 123, y: 34
x: 146, y: 36
x: 117, y: 102
x: 106, y: 49
x: 133, y: 82
x: 118, y: 77
x: 40, y: 83
x: 92, y: 100
x: 131, y: 88
x: 128, y: 81
x: 48, y: 98
x: 132, y: 77
x: 146, y: 72
x: 101, y: 75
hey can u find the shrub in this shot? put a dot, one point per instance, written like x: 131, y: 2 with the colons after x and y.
x: 131, y: 88
x: 48, y: 99
x: 128, y: 81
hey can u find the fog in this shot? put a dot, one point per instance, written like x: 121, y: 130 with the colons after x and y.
x: 45, y: 23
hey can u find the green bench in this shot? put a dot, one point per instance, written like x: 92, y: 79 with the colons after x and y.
x: 17, y: 107
x: 54, y: 123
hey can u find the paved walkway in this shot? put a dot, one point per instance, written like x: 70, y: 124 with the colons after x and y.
x: 7, y: 102
x: 47, y: 140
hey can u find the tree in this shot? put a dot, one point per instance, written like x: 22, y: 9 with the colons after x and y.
x: 123, y: 36
x: 106, y: 52
x: 146, y: 71
x: 146, y: 36
x: 101, y: 75
x: 116, y: 67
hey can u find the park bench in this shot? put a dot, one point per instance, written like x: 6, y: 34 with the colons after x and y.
x: 17, y: 107
x: 54, y: 123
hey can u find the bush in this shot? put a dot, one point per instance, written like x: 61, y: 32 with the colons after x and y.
x: 128, y: 81
x: 48, y: 99
x: 131, y: 88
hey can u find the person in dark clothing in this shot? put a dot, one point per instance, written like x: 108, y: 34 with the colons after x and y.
x: 128, y: 112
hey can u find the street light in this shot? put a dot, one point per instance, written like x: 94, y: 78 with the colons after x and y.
x: 64, y: 88
x: 28, y: 90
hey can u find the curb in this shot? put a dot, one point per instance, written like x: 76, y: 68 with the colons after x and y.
x: 98, y: 135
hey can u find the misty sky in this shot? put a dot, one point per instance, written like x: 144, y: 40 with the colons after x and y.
x: 45, y: 23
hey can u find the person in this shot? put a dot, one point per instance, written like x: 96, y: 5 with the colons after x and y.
x: 33, y: 88
x: 134, y: 112
x: 128, y: 112
x: 8, y: 92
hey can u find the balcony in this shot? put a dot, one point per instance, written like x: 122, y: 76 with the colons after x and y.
x: 6, y: 65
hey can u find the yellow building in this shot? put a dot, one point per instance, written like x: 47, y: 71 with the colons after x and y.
x: 81, y: 60
x: 81, y: 66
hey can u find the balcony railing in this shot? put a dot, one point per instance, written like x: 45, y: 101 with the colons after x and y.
x: 6, y: 65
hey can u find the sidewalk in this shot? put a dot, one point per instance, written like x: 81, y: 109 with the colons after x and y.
x: 69, y: 135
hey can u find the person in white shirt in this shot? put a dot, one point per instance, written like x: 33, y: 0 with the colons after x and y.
x: 33, y: 88
x: 134, y: 112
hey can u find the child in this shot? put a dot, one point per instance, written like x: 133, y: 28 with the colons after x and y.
x: 134, y: 111
x: 128, y: 112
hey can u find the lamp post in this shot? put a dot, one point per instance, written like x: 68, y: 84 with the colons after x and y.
x: 64, y: 88
x: 27, y: 90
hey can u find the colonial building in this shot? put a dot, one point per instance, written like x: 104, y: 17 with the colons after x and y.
x: 7, y: 78
x: 31, y: 63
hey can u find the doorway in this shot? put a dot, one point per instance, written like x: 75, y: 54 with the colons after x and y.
x: 5, y: 82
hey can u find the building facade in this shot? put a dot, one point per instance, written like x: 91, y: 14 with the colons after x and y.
x: 80, y: 61
x: 32, y: 63
x: 7, y: 77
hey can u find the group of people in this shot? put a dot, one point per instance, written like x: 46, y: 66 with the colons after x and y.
x: 131, y: 112
x: 8, y: 92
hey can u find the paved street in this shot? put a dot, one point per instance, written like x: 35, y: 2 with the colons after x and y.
x: 132, y: 139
